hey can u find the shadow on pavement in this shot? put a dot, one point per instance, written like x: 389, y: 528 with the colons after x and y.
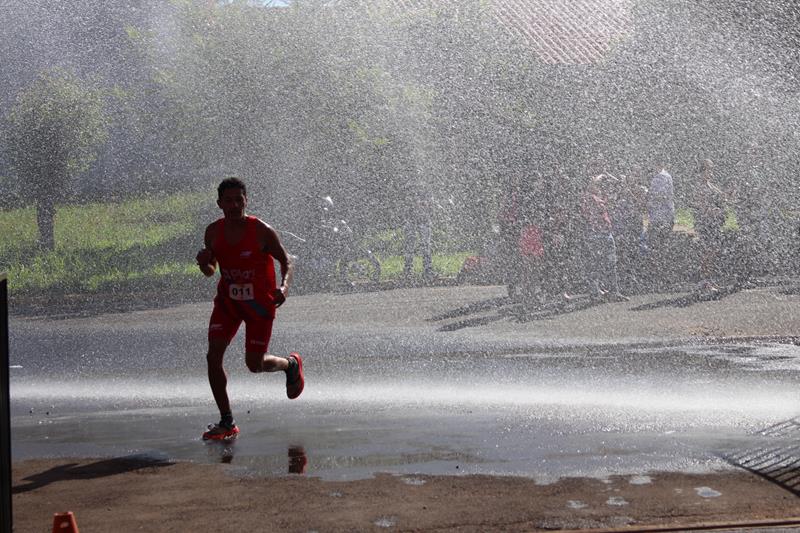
x: 499, y: 308
x: 690, y: 299
x: 506, y: 308
x: 73, y: 471
x: 553, y: 308
x: 471, y: 322
x: 477, y: 307
x: 779, y: 464
x: 791, y: 291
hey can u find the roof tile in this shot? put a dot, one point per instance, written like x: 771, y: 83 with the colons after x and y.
x: 581, y: 31
x: 558, y: 31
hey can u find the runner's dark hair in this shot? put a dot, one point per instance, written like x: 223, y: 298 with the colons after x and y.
x: 231, y: 183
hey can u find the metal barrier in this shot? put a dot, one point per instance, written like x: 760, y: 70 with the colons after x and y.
x: 5, y: 413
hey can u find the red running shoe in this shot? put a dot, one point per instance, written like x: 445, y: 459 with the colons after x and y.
x: 295, y: 380
x: 221, y: 432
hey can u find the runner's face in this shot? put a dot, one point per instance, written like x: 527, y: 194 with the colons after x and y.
x: 232, y: 203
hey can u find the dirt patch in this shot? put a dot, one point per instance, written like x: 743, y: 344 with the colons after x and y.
x: 139, y: 495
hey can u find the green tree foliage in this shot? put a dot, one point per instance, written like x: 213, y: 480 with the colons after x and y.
x: 378, y: 102
x: 368, y: 103
x: 53, y: 133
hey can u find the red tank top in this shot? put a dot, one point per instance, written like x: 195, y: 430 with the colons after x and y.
x: 247, y: 273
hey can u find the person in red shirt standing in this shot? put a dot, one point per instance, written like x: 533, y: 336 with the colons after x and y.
x: 243, y: 248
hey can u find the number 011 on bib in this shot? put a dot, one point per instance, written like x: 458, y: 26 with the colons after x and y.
x: 241, y: 291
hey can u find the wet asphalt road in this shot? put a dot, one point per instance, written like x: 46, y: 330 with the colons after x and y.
x: 445, y: 380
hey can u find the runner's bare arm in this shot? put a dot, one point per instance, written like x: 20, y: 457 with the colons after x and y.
x: 273, y: 246
x: 205, y: 257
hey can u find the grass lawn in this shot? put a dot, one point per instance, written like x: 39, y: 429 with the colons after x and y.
x: 443, y: 265
x: 151, y: 244
x: 104, y: 245
x: 685, y: 218
x: 136, y: 244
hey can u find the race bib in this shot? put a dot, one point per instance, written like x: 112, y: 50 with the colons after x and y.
x: 241, y: 291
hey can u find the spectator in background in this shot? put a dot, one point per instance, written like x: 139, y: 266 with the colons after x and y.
x: 627, y: 222
x: 774, y: 229
x: 748, y: 250
x: 661, y: 219
x: 531, y: 241
x: 509, y: 222
x: 559, y: 242
x: 601, y: 252
x: 707, y: 200
x: 751, y: 203
x: 418, y: 233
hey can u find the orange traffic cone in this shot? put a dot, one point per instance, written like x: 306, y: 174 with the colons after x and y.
x: 64, y: 523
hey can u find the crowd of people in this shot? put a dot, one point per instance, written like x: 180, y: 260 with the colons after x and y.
x: 621, y: 232
x: 619, y: 238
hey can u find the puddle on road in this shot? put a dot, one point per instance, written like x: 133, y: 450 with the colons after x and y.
x: 386, y: 521
x: 520, y: 416
x: 707, y: 492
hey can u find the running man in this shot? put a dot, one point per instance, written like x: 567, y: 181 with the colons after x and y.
x: 244, y: 248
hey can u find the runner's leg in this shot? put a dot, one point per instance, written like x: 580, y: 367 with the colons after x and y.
x: 217, y: 376
x: 258, y: 334
x: 264, y: 362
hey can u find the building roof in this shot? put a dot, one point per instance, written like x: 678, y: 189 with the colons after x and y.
x: 566, y: 32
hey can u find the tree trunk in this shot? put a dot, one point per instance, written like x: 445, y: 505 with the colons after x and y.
x: 45, y: 213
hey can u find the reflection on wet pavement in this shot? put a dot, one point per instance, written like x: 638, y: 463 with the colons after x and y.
x: 297, y: 460
x: 226, y: 451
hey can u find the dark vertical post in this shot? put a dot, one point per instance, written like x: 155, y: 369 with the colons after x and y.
x: 5, y: 413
